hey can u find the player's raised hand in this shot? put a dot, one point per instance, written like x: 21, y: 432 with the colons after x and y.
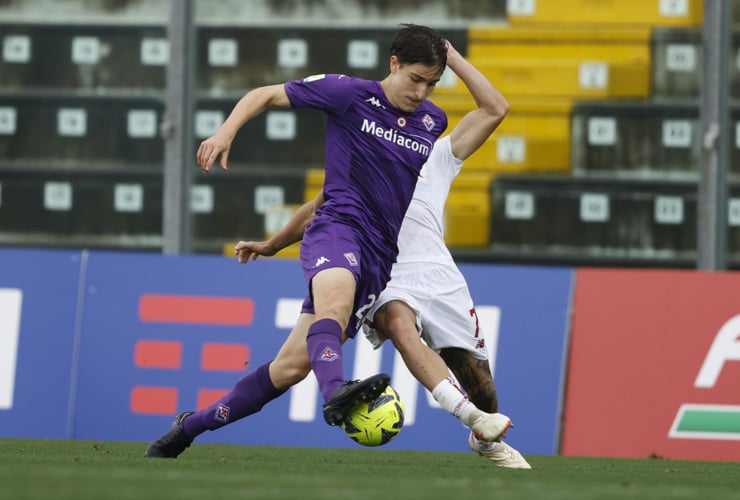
x: 246, y: 250
x: 452, y: 52
x: 210, y: 149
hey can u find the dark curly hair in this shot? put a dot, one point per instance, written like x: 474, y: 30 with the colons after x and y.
x: 415, y: 44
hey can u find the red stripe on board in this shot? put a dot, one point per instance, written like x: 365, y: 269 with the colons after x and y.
x: 206, y: 397
x: 147, y: 400
x: 224, y: 357
x: 196, y: 309
x: 158, y: 354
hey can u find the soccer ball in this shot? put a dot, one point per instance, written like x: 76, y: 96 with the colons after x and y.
x: 378, y: 422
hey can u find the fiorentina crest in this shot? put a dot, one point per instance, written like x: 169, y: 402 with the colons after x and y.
x: 329, y: 354
x: 222, y: 413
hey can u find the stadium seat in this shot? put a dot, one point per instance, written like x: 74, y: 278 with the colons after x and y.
x: 606, y: 12
x: 534, y: 136
x: 566, y: 217
x: 467, y: 211
x: 73, y: 57
x: 314, y: 183
x: 232, y: 59
x: 70, y: 131
x: 292, y: 138
x: 101, y: 208
x: 81, y: 208
x: 588, y: 43
x: 571, y: 78
x: 643, y: 138
x: 677, y: 63
x: 566, y: 62
x: 276, y: 217
x: 246, y: 203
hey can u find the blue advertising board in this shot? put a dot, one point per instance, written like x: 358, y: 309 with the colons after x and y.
x: 157, y: 335
x: 38, y: 307
x: 136, y: 400
x: 127, y: 404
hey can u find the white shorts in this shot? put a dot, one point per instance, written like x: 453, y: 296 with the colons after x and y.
x: 445, y: 314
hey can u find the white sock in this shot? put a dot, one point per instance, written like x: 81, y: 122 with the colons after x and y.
x: 451, y: 398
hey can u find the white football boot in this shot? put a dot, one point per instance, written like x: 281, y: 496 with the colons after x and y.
x: 490, y: 426
x: 499, y: 453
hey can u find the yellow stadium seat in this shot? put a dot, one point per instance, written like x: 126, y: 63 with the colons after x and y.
x: 229, y: 248
x: 280, y: 216
x: 467, y: 211
x: 564, y: 42
x: 314, y: 183
x: 573, y: 62
x: 534, y: 137
x: 607, y: 12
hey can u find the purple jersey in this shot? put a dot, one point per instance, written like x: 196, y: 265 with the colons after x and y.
x: 374, y: 153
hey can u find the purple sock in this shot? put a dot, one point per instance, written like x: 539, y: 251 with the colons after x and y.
x: 248, y: 396
x: 324, y: 343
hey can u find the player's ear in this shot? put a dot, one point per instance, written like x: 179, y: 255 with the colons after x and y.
x: 394, y: 64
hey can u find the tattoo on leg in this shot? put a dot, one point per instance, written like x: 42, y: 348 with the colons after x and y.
x: 475, y: 377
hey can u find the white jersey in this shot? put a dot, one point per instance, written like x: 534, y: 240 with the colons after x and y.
x: 421, y: 238
x: 425, y: 276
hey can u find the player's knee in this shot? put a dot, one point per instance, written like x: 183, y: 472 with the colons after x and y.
x: 397, y: 322
x: 286, y: 372
x: 405, y: 339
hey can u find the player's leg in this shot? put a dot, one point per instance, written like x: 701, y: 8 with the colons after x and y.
x: 448, y: 319
x: 246, y: 397
x: 333, y: 300
x: 343, y: 276
x: 397, y: 321
x: 292, y: 364
x: 333, y: 292
x: 257, y: 388
x: 474, y: 375
x: 396, y: 316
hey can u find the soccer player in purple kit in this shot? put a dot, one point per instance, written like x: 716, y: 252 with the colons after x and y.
x: 427, y: 297
x: 378, y: 136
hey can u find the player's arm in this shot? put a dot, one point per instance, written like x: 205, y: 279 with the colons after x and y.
x: 249, y: 106
x: 289, y: 234
x: 476, y: 126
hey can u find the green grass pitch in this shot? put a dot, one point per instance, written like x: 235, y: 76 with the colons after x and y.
x: 76, y: 470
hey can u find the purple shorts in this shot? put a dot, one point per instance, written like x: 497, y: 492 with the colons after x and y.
x: 327, y: 244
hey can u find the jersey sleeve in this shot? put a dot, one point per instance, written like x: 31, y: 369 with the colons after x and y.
x: 331, y: 93
x: 442, y: 156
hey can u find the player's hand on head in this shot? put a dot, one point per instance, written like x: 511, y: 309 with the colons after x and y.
x: 209, y: 151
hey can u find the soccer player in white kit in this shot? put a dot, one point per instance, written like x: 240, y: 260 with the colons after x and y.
x: 427, y: 296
